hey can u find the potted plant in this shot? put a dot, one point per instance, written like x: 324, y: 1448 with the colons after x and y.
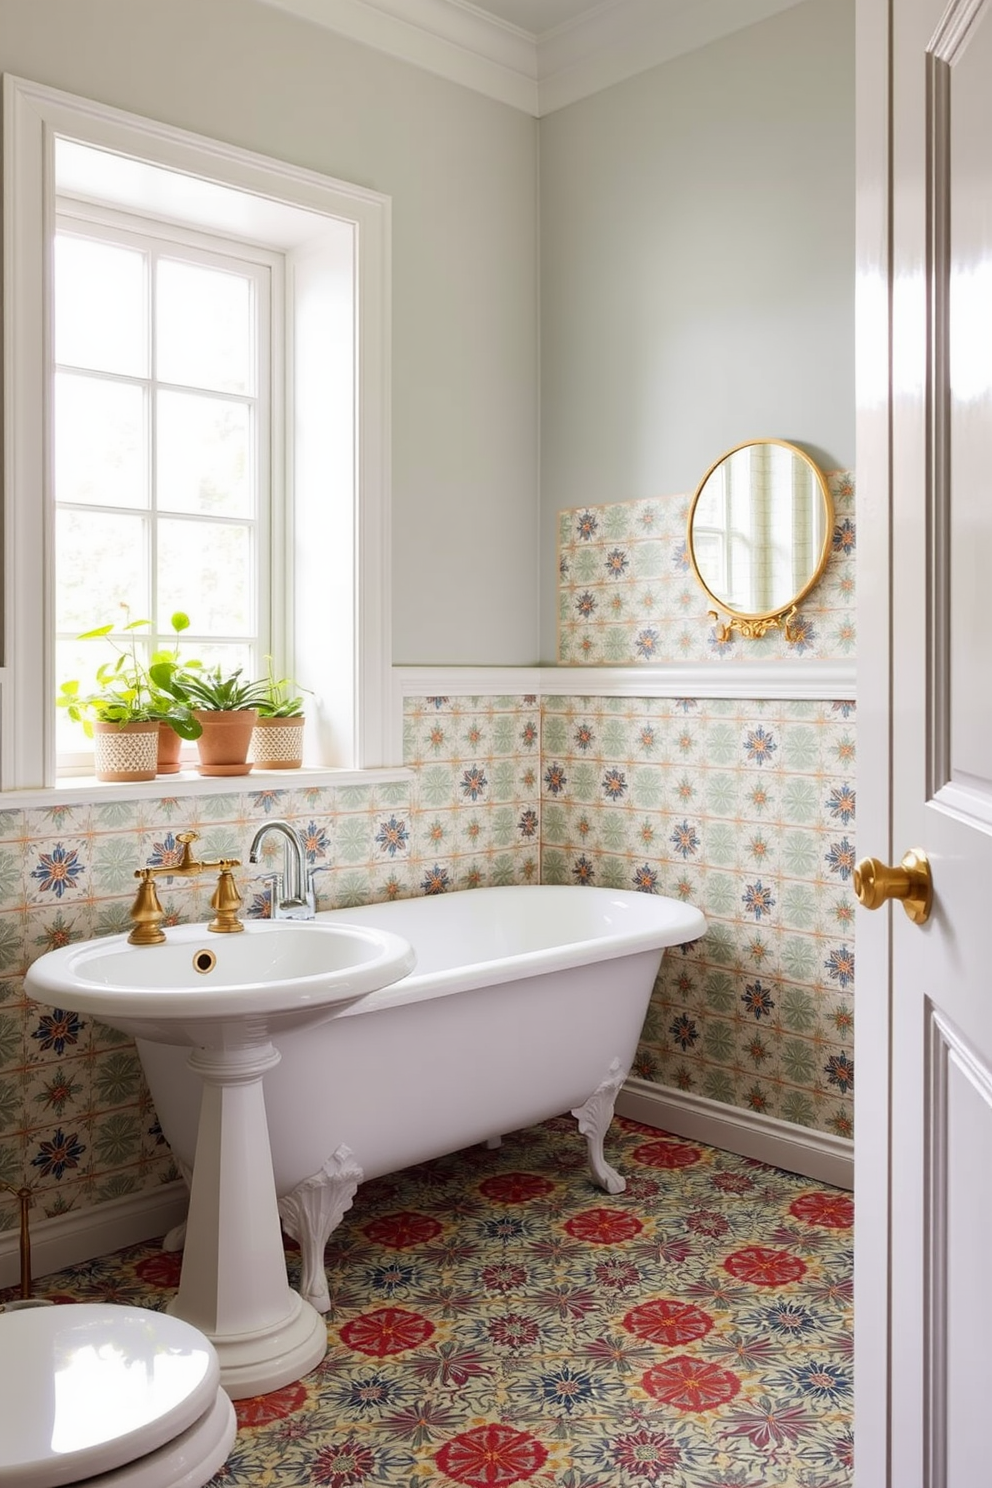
x: 223, y: 704
x: 173, y: 710
x: 124, y: 713
x: 277, y: 739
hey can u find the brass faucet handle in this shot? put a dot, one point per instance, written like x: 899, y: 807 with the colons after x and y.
x: 226, y: 901
x: 186, y: 857
x: 221, y: 864
x: 146, y: 912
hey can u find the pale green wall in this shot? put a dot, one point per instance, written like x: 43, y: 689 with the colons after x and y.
x: 697, y: 247
x: 697, y: 269
x: 461, y: 171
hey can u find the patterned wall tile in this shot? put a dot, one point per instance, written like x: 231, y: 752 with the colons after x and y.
x: 476, y: 801
x: 748, y: 812
x: 627, y: 595
x: 744, y: 808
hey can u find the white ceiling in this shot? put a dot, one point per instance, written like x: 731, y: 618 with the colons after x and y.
x: 537, y: 55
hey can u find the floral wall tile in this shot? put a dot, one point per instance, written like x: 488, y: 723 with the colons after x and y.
x: 476, y: 802
x: 12, y: 948
x: 627, y: 595
x: 12, y: 827
x: 56, y: 821
x: 751, y: 817
x: 746, y: 808
x: 57, y: 870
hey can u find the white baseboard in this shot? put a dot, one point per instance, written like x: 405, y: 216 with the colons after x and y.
x: 817, y: 1155
x: 80, y: 1235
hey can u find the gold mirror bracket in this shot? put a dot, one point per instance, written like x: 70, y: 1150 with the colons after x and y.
x: 912, y: 882
x: 753, y: 628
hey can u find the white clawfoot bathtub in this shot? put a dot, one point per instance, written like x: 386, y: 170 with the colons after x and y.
x: 526, y: 1001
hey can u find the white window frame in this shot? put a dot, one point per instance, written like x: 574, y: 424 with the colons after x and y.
x: 266, y: 272
x: 336, y: 238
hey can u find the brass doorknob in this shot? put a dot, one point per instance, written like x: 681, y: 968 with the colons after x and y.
x: 874, y: 882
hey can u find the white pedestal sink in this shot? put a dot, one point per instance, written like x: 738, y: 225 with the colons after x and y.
x: 227, y: 997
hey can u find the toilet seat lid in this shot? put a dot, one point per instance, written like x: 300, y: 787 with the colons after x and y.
x: 87, y: 1387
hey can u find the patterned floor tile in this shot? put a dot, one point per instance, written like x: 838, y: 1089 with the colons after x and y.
x: 498, y: 1321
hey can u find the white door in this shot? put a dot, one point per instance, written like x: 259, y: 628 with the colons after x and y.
x: 923, y: 1128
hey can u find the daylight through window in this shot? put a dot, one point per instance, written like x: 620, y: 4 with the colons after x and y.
x: 162, y: 435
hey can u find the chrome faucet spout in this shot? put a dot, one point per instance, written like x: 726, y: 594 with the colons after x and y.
x: 292, y: 889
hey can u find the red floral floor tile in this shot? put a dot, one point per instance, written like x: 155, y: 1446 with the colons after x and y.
x: 496, y: 1320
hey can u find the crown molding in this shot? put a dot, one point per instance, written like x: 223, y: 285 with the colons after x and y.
x: 453, y: 40
x: 536, y: 74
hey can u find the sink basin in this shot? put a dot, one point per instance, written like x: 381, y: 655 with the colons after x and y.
x: 272, y: 976
x: 227, y: 997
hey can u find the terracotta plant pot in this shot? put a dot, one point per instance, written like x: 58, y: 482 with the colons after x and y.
x: 223, y: 745
x: 169, y: 745
x: 277, y: 743
x: 128, y: 753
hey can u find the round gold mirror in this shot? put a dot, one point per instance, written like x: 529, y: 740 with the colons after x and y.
x: 759, y: 533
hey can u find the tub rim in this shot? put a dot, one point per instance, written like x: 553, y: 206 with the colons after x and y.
x: 685, y: 923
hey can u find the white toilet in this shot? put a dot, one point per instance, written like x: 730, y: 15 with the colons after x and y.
x: 108, y: 1396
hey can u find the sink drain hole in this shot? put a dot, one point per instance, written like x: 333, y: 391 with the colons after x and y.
x: 204, y: 961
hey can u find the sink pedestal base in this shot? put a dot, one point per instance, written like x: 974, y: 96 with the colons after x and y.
x: 233, y: 1285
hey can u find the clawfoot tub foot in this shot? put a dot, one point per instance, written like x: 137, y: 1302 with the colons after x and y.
x: 594, y: 1119
x: 312, y: 1211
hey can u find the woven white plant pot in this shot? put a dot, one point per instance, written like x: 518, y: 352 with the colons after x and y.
x: 128, y: 753
x: 277, y: 744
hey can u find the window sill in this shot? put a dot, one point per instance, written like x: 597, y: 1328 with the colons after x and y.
x: 73, y: 789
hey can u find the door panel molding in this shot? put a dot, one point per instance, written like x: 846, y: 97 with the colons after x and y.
x: 965, y: 802
x: 938, y: 417
x: 954, y: 1071
x: 955, y: 29
x: 950, y: 726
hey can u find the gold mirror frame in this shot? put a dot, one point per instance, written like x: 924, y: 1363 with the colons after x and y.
x: 753, y: 625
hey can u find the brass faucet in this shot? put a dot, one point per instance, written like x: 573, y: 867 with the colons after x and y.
x: 147, y: 912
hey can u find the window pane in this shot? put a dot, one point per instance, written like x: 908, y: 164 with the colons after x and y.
x: 100, y: 317
x: 99, y: 442
x: 204, y: 325
x: 206, y: 571
x: 228, y: 658
x: 101, y: 564
x: 204, y: 462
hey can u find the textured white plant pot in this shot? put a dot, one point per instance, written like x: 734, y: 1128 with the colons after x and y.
x: 277, y: 743
x: 128, y: 753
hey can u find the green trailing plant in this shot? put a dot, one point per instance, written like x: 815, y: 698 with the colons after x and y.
x: 125, y: 691
x: 283, y: 699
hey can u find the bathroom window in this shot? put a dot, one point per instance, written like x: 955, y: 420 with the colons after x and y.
x: 163, y: 374
x: 178, y: 213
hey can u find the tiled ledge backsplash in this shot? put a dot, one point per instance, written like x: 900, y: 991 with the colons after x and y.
x: 627, y: 595
x: 76, y: 1122
x: 747, y: 809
